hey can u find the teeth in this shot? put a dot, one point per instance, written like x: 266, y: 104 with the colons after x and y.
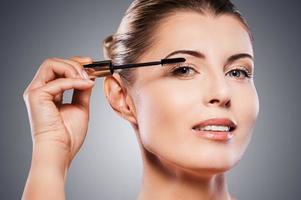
x: 213, y: 128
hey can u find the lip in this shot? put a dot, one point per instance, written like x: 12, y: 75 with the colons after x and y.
x: 216, y: 135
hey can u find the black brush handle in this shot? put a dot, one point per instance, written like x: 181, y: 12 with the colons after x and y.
x: 105, y: 67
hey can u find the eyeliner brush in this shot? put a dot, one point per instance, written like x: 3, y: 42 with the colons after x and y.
x: 105, y: 68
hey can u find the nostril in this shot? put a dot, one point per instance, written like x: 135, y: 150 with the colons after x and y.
x: 222, y: 103
x: 214, y: 101
x: 228, y: 104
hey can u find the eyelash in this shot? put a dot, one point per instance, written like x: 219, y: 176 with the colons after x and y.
x: 175, y: 70
x: 242, y: 69
x: 245, y: 71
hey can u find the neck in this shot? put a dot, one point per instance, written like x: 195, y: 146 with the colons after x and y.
x: 160, y: 182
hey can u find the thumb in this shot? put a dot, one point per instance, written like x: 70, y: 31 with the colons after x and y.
x: 82, y: 97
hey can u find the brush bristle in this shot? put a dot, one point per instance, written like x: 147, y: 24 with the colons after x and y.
x: 172, y: 60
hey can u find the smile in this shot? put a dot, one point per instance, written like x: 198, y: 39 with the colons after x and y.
x: 213, y: 128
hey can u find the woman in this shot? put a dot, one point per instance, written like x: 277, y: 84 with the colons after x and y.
x: 193, y: 121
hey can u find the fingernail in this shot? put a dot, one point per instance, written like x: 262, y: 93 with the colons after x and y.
x: 85, y: 75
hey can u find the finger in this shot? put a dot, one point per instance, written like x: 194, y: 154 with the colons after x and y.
x: 82, y: 59
x: 48, y: 71
x: 58, y: 99
x: 76, y: 64
x: 58, y: 86
x: 82, y: 98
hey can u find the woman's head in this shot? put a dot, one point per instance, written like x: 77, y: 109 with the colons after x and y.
x: 164, y: 103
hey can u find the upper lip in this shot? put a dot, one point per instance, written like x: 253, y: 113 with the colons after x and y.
x: 217, y: 121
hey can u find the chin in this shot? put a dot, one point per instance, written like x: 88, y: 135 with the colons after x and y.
x: 207, y: 171
x: 205, y: 162
x: 211, y: 157
x: 214, y: 165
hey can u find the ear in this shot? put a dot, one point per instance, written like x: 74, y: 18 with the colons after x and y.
x: 119, y: 98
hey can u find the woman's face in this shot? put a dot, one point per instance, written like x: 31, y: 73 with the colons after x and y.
x: 168, y: 104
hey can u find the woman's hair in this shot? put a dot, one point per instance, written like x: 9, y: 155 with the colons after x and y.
x: 135, y: 34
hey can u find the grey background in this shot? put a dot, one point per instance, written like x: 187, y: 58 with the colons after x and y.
x: 108, y: 166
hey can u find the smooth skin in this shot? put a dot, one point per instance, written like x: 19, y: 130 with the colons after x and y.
x: 163, y: 107
x: 160, y: 106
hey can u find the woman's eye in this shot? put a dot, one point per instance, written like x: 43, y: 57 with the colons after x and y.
x: 183, y: 71
x: 239, y: 73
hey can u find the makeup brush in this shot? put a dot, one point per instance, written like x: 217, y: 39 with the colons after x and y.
x: 105, y: 67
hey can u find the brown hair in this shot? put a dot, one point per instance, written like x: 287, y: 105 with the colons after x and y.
x: 135, y: 33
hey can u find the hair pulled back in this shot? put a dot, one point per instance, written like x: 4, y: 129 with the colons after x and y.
x: 136, y: 31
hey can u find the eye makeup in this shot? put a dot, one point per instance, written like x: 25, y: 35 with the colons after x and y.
x: 240, y: 69
x: 181, y: 70
x: 189, y: 70
x: 106, y: 67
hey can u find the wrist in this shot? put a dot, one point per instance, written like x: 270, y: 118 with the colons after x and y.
x: 47, y: 175
x: 50, y: 158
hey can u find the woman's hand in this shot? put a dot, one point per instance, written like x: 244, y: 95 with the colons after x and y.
x: 58, y: 130
x: 61, y: 125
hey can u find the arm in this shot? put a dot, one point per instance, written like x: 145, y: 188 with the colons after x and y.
x: 47, y: 175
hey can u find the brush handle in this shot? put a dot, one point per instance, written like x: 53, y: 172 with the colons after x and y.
x: 105, y: 67
x: 99, y: 69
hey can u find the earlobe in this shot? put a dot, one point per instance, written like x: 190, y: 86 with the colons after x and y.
x: 118, y: 98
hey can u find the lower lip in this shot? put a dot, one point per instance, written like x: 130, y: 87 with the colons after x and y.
x: 214, y: 135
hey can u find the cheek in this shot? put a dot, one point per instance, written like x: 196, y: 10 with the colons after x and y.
x: 246, y: 106
x: 161, y: 114
x: 245, y: 110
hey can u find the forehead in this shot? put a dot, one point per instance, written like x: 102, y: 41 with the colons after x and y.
x: 190, y: 30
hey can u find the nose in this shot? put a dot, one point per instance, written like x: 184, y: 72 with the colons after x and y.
x: 218, y: 92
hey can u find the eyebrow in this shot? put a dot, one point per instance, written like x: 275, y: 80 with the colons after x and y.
x: 201, y: 55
